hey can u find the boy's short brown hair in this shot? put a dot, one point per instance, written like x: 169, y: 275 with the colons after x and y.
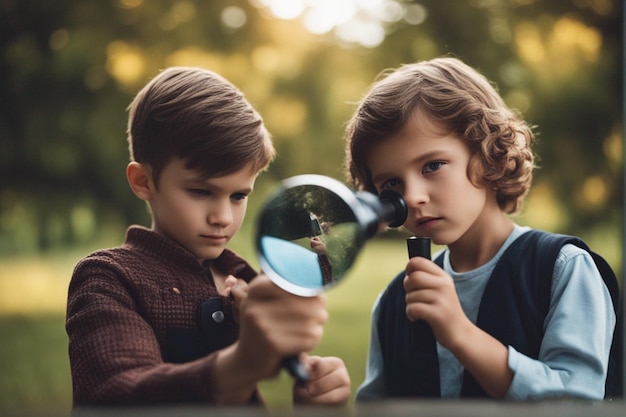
x: 460, y: 99
x: 196, y: 115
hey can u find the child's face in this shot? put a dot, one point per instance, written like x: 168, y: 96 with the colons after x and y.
x: 201, y: 215
x: 429, y: 168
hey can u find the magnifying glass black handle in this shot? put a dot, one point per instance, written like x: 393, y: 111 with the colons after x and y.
x: 296, y: 369
x: 418, y: 246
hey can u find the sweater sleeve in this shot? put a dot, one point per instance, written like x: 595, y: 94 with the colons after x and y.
x: 114, y: 354
x: 573, y: 358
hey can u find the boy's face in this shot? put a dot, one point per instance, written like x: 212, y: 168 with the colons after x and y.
x: 429, y: 168
x: 201, y: 215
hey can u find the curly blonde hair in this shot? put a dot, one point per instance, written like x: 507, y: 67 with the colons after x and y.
x: 462, y: 100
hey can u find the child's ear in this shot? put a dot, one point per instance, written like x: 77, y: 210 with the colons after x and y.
x: 140, y: 180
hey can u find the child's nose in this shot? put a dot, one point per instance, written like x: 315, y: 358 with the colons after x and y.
x: 220, y: 213
x: 415, y: 194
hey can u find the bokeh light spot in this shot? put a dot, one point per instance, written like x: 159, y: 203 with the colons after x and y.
x: 124, y: 63
x: 360, y: 22
x: 594, y: 191
x: 529, y: 44
x: 234, y: 17
x: 59, y: 39
x: 131, y: 4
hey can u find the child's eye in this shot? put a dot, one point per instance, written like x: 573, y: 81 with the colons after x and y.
x: 433, y: 166
x: 389, y: 184
x: 239, y: 196
x: 198, y: 192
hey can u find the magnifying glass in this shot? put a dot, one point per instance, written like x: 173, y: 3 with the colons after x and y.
x: 310, y: 231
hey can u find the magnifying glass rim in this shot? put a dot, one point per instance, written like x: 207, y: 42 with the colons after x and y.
x: 328, y: 183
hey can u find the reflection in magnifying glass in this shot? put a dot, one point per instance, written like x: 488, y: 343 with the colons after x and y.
x: 289, y: 259
x: 308, y: 234
x: 312, y: 228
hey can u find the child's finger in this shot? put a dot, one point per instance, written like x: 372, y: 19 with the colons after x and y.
x: 329, y: 382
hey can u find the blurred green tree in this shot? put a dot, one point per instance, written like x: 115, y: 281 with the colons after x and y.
x: 68, y: 69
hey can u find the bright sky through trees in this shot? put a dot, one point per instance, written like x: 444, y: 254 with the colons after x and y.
x: 361, y: 22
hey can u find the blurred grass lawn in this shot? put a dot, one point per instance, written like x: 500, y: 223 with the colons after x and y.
x: 34, y: 368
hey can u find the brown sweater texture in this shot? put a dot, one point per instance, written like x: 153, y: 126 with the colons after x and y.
x: 135, y: 337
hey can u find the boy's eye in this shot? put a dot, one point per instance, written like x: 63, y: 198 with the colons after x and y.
x: 239, y: 196
x: 199, y: 192
x: 433, y: 166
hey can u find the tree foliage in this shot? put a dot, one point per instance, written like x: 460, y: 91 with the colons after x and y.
x: 70, y: 68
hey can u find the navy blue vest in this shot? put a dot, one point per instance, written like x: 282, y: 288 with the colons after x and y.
x: 513, y: 308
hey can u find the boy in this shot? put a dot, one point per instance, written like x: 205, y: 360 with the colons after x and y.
x: 438, y: 133
x: 172, y: 316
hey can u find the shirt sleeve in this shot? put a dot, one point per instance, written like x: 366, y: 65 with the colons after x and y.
x: 114, y: 354
x: 373, y: 387
x: 573, y: 357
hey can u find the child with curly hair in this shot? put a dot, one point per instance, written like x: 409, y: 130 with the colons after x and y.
x: 490, y: 317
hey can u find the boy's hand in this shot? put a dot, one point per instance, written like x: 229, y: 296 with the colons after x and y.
x: 236, y: 290
x: 328, y: 383
x: 431, y: 296
x: 275, y: 324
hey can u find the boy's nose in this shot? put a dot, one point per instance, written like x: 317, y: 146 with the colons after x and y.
x: 221, y: 214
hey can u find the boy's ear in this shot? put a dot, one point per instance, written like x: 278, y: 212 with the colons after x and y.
x: 140, y: 180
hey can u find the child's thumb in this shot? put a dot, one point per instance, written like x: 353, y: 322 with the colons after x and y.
x: 230, y: 281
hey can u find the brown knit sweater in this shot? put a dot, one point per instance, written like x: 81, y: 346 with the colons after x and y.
x: 133, y: 322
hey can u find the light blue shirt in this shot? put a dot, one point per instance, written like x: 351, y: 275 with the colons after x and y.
x: 578, y: 331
